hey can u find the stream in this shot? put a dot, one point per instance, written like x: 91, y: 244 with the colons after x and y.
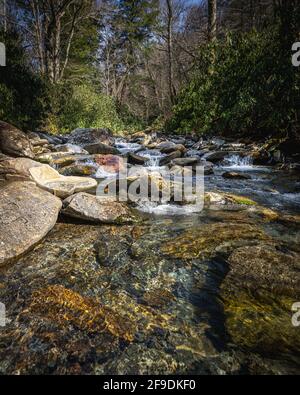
x: 155, y: 297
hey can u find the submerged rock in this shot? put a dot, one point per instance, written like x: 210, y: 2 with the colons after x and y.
x: 261, y: 324
x: 265, y: 267
x: 236, y: 176
x: 62, y: 186
x: 96, y: 209
x: 14, y: 142
x: 27, y: 214
x: 212, y: 239
x: 65, y: 307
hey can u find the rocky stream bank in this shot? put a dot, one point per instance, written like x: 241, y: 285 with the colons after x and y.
x: 94, y: 286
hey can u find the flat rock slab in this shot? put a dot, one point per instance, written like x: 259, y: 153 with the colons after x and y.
x: 62, y: 186
x: 96, y: 209
x: 27, y: 214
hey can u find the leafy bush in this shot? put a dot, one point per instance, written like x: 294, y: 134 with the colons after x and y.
x: 251, y: 87
x: 81, y: 106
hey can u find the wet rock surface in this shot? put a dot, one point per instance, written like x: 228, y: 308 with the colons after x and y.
x: 180, y: 290
x: 96, y: 209
x: 27, y: 214
x: 104, y: 299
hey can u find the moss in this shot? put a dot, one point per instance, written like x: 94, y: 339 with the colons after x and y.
x: 240, y: 200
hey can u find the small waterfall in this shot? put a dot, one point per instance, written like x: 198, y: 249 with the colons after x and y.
x: 125, y: 147
x: 154, y: 156
x: 238, y: 161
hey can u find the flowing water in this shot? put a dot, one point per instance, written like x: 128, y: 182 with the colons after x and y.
x: 156, y: 297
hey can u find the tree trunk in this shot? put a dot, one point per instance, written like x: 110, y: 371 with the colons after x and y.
x: 212, y: 20
x: 170, y: 17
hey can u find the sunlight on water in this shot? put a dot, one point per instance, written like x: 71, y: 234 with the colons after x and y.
x: 236, y: 161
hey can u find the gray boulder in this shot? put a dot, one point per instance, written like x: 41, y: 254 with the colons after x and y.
x: 14, y: 142
x: 96, y: 209
x: 84, y: 136
x: 100, y: 148
x: 27, y: 214
x: 17, y: 169
x: 135, y: 159
x: 169, y: 158
x: 185, y: 161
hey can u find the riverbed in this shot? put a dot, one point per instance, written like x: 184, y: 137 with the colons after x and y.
x: 156, y: 297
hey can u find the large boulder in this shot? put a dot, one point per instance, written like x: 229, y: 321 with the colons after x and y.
x: 53, y: 139
x: 14, y: 142
x: 17, y: 169
x: 27, y: 214
x: 71, y: 149
x: 170, y: 157
x: 135, y: 159
x: 218, y: 156
x: 185, y: 161
x: 84, y: 136
x: 96, y: 209
x: 101, y: 148
x: 167, y: 147
x: 50, y: 180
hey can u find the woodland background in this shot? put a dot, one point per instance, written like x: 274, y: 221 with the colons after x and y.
x: 179, y: 66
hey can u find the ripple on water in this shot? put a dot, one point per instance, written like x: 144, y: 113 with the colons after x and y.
x: 142, y: 299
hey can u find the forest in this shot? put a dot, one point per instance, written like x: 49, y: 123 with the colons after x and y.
x: 179, y: 66
x: 149, y: 189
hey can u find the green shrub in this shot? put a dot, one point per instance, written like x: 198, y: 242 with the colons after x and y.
x: 250, y: 88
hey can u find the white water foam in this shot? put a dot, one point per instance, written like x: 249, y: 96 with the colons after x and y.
x: 154, y: 157
x: 167, y: 209
x: 239, y: 162
x: 125, y: 147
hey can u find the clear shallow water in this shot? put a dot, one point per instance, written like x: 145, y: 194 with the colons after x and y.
x: 157, y: 296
